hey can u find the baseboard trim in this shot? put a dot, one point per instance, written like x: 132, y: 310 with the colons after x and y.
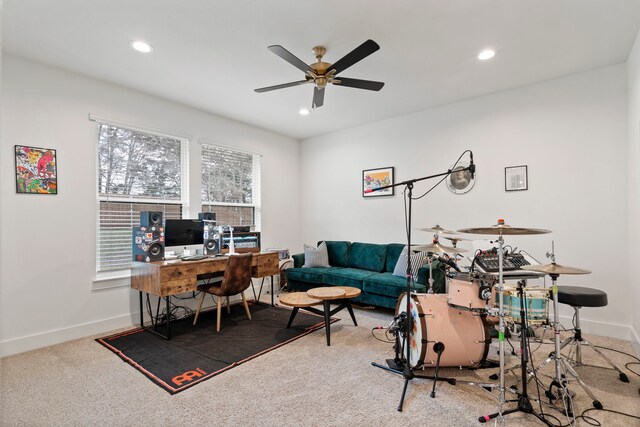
x: 57, y: 336
x: 613, y: 330
x: 635, y: 340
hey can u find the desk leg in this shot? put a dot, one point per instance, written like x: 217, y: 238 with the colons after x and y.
x: 259, y: 292
x: 327, y: 320
x: 141, y: 312
x: 168, y: 316
x: 154, y: 319
x: 254, y: 291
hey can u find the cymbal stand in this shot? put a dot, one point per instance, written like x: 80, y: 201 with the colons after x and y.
x: 430, y: 260
x: 560, y: 380
x: 501, y: 329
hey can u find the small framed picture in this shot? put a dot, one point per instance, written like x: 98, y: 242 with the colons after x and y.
x: 36, y: 171
x: 516, y: 178
x: 376, y: 178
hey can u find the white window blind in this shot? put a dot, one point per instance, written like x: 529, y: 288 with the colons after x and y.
x: 137, y: 171
x: 231, y: 185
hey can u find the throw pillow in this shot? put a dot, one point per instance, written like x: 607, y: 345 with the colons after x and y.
x: 417, y: 260
x: 316, y: 257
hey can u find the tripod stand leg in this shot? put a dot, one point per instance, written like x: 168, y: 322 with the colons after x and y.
x: 404, y: 392
x: 596, y: 403
x: 485, y: 418
x: 438, y: 348
x: 623, y: 377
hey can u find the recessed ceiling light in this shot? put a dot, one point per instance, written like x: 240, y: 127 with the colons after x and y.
x: 486, y: 54
x: 141, y: 46
x: 303, y: 112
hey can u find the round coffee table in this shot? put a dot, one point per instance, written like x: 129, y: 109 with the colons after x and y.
x: 323, y: 295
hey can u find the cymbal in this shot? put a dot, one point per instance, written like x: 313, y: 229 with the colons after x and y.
x: 436, y: 228
x: 458, y: 238
x: 438, y: 248
x: 554, y: 269
x: 503, y: 229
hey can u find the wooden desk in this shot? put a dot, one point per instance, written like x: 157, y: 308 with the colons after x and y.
x: 167, y: 278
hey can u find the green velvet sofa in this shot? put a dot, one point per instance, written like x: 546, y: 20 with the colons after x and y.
x: 366, y: 266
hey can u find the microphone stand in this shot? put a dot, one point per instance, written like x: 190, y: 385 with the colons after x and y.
x: 406, y: 371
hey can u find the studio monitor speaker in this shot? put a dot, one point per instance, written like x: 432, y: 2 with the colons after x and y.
x: 211, y: 239
x: 207, y: 216
x: 150, y: 219
x: 147, y: 243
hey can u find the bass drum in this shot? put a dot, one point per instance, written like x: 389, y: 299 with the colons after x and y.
x: 465, y: 334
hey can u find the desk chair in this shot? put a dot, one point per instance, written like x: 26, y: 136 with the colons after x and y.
x: 236, y: 279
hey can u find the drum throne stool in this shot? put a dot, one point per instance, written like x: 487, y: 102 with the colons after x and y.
x: 578, y: 297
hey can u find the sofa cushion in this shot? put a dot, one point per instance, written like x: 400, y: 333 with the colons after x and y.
x: 298, y: 260
x: 338, y: 253
x: 367, y: 256
x: 346, y: 277
x: 307, y: 274
x: 393, y: 253
x: 388, y: 284
x: 418, y: 259
x: 316, y: 257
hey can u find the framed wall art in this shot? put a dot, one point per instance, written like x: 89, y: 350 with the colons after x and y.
x: 376, y: 178
x: 36, y: 170
x: 516, y: 178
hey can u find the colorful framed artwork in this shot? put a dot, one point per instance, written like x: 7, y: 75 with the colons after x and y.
x: 36, y: 170
x: 516, y: 178
x: 376, y: 178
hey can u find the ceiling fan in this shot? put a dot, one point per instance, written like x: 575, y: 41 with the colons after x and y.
x: 322, y: 73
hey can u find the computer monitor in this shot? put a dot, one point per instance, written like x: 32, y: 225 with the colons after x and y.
x: 184, y: 234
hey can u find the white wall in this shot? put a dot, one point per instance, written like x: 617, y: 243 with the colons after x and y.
x: 47, y: 247
x: 633, y: 75
x: 571, y: 132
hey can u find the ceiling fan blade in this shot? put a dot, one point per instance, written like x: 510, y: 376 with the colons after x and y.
x: 359, y: 84
x: 318, y: 97
x: 282, y: 86
x: 290, y: 58
x: 357, y: 54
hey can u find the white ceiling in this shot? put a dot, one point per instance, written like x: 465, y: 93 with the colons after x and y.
x: 212, y: 54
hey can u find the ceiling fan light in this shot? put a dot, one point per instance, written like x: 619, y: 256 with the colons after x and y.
x: 141, y: 46
x: 486, y: 54
x: 303, y: 112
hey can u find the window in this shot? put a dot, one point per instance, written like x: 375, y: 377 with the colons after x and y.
x: 137, y: 171
x: 231, y: 185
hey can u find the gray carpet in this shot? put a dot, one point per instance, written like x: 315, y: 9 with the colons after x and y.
x: 80, y: 383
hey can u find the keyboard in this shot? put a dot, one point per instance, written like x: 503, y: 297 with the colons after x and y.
x: 193, y: 257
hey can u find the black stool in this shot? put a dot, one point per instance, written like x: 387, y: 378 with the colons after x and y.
x: 578, y: 297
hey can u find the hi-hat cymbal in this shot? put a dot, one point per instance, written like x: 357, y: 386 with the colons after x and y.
x: 436, y: 229
x: 503, y: 229
x: 555, y: 269
x: 438, y: 248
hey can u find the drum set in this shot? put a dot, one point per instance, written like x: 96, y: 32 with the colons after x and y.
x: 452, y: 329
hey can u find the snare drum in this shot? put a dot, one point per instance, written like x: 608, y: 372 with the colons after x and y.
x: 536, y: 305
x: 465, y: 334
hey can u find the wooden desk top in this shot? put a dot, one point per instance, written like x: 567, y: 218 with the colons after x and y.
x: 175, y: 276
